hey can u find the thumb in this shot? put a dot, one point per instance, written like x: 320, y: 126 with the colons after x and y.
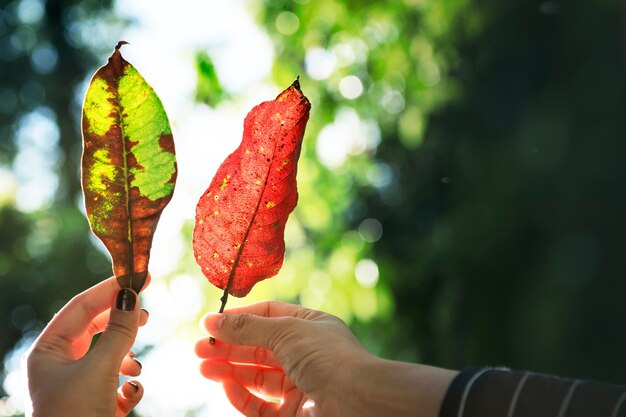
x: 247, y: 329
x: 121, y: 330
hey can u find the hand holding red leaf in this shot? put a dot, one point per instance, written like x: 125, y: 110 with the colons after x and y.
x: 238, y: 239
x: 128, y: 166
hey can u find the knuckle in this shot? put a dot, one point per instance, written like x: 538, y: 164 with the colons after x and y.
x: 41, y: 350
x: 123, y: 329
x: 259, y: 380
x: 264, y: 409
x: 82, y: 302
x: 29, y: 358
x: 238, y: 324
x: 260, y: 355
x: 286, y: 331
x: 93, y: 328
x: 40, y: 354
x: 267, y: 310
x: 309, y: 314
x: 290, y: 325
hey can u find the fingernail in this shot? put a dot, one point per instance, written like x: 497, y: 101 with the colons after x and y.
x: 213, y: 321
x: 126, y: 299
x: 146, y: 311
x: 137, y: 360
x: 134, y: 385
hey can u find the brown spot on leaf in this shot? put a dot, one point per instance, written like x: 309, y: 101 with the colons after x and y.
x: 125, y: 220
x: 166, y: 142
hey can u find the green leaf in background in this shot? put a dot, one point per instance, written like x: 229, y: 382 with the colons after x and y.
x: 208, y: 87
x: 128, y: 166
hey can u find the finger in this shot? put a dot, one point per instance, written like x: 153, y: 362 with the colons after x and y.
x: 271, y: 309
x: 128, y: 396
x: 130, y: 365
x: 82, y: 344
x: 234, y: 353
x: 246, y: 403
x: 144, y: 315
x: 121, y: 330
x: 77, y: 315
x: 251, y: 330
x: 99, y: 323
x: 265, y: 381
x: 294, y: 402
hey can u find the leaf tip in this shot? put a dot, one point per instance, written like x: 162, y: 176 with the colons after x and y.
x: 120, y: 44
x: 296, y: 84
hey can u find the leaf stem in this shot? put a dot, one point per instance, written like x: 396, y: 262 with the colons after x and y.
x: 223, y: 299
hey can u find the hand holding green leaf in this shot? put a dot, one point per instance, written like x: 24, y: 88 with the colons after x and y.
x: 128, y: 166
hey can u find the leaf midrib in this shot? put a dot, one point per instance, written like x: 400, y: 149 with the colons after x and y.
x: 125, y: 153
x: 231, y: 276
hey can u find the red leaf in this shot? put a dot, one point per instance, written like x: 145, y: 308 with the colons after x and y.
x: 240, y: 219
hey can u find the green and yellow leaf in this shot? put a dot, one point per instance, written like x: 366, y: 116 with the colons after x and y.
x: 128, y: 165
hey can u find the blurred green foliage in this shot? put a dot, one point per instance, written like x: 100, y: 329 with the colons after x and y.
x: 208, y: 87
x: 46, y: 49
x: 462, y: 182
x: 389, y: 66
x: 499, y: 179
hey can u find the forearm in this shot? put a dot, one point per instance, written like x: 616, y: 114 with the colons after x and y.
x: 390, y: 388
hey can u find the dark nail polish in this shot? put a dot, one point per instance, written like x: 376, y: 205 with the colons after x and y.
x: 134, y: 385
x: 126, y: 299
x: 137, y: 361
x: 146, y: 311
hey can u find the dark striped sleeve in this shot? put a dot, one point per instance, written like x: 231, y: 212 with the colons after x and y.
x: 488, y: 392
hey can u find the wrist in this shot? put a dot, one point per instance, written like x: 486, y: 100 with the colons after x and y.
x: 384, y: 387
